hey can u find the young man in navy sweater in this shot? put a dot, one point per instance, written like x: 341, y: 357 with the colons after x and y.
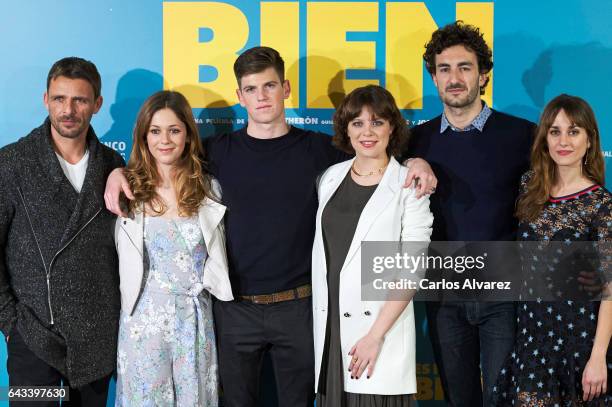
x: 478, y: 155
x: 267, y: 172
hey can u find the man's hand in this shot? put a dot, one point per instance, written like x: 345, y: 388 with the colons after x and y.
x: 116, y: 184
x: 421, y: 172
x: 590, y: 281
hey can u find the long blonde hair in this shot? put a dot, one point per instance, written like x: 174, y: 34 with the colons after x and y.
x: 192, y: 182
x: 544, y: 169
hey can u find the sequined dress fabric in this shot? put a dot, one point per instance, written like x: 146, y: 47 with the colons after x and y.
x: 555, y: 338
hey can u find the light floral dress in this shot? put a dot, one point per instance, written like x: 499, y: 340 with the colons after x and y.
x: 166, y: 353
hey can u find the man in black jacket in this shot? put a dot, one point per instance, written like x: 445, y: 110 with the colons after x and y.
x: 59, y: 285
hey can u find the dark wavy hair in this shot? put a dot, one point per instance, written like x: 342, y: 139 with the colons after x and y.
x: 191, y: 180
x: 544, y: 169
x: 382, y: 104
x: 459, y: 33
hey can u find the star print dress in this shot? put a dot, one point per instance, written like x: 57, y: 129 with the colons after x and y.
x: 166, y: 353
x: 554, y: 339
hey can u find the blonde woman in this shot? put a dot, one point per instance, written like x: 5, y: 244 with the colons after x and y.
x: 171, y: 259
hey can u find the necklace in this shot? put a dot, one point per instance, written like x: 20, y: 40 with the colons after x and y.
x: 379, y: 171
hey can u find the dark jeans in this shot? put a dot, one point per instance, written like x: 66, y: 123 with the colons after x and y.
x: 245, y: 331
x: 27, y: 369
x: 468, y: 336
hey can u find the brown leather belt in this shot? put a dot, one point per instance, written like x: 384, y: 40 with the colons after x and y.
x: 302, y: 291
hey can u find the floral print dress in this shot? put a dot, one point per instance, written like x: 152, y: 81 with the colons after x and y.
x: 166, y: 353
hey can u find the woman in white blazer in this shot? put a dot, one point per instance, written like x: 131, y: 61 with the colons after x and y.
x: 171, y: 259
x: 364, y: 350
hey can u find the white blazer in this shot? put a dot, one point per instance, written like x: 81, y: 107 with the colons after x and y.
x: 129, y: 239
x: 392, y: 214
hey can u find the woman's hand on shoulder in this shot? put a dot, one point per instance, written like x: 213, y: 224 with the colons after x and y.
x: 364, y: 355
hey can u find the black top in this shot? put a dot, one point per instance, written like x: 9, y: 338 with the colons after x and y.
x: 339, y: 221
x: 269, y: 188
x: 478, y: 176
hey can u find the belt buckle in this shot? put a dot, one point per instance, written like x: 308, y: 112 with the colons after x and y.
x: 264, y: 299
x: 286, y: 295
x: 304, y: 291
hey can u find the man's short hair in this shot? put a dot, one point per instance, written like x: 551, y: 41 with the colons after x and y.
x: 258, y: 59
x: 459, y: 33
x: 76, y: 68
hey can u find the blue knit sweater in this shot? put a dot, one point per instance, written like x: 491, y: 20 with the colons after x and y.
x: 478, y: 176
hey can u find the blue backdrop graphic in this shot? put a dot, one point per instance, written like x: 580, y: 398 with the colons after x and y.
x: 541, y: 49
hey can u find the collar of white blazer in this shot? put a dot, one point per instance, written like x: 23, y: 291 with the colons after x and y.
x: 391, y: 182
x: 336, y: 174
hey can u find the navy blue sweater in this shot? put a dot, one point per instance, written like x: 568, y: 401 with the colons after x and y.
x: 478, y: 176
x: 268, y: 186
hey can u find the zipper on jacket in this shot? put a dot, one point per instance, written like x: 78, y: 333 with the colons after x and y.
x: 48, y: 270
x: 25, y: 207
x: 62, y: 249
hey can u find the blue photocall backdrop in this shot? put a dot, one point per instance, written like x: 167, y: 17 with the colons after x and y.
x: 540, y: 49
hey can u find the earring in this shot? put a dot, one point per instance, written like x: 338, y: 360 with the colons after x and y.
x: 586, y: 158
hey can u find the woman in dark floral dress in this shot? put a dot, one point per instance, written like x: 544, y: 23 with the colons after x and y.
x: 560, y: 355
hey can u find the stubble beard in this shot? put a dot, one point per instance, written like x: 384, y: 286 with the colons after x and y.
x: 69, y: 134
x: 464, y: 102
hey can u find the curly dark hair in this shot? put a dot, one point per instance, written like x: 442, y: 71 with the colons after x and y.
x: 382, y: 104
x: 459, y: 33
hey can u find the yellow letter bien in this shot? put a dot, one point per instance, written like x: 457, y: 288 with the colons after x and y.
x: 330, y: 54
x: 184, y: 53
x: 280, y: 29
